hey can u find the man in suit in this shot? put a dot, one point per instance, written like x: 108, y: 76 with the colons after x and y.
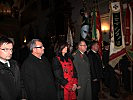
x: 82, y: 66
x: 96, y: 69
x: 37, y: 74
x: 9, y: 72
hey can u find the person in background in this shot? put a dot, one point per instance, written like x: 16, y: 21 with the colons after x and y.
x: 125, y: 66
x: 65, y: 74
x: 82, y: 66
x: 110, y: 80
x: 9, y: 72
x: 96, y: 69
x: 36, y: 74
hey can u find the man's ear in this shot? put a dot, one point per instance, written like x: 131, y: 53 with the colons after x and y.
x: 34, y: 49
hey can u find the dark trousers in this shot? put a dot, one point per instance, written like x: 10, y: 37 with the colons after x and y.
x: 113, y: 85
x: 110, y: 80
x: 95, y: 90
x: 126, y: 79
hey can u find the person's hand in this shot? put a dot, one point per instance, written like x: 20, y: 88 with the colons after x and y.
x: 78, y: 87
x: 118, y: 72
x: 94, y: 80
x: 62, y: 86
x: 74, y: 87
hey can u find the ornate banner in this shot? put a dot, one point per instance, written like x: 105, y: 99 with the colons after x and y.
x: 116, y: 18
x: 117, y: 44
x: 117, y: 29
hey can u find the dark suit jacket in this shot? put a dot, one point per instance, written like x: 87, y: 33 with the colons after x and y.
x: 95, y: 65
x: 105, y: 57
x: 38, y: 79
x: 9, y: 81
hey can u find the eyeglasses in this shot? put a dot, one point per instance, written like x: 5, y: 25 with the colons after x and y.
x: 83, y: 45
x: 7, y: 49
x: 39, y: 47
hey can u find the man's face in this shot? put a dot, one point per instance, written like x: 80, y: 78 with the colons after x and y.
x: 39, y: 49
x: 95, y: 47
x: 82, y: 46
x: 6, y: 50
x: 107, y: 47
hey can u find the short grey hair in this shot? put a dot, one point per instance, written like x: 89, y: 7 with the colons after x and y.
x: 33, y: 43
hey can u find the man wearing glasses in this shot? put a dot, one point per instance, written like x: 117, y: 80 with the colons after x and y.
x: 9, y: 72
x: 37, y: 75
x: 82, y: 66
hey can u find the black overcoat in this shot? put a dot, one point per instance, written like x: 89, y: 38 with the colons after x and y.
x: 9, y: 81
x: 38, y: 79
x: 95, y: 65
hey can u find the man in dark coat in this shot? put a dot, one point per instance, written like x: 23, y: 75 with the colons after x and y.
x: 96, y: 69
x: 125, y: 66
x: 110, y: 80
x: 37, y: 74
x: 9, y: 72
x: 83, y: 71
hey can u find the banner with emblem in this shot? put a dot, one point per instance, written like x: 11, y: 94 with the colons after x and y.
x: 117, y: 44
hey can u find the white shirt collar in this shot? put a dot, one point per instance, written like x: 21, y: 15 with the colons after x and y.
x: 94, y: 51
x: 5, y: 62
x: 106, y: 49
x: 8, y: 63
x: 81, y: 52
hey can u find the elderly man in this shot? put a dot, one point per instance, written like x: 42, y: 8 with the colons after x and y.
x: 82, y: 66
x: 9, y: 72
x: 37, y: 75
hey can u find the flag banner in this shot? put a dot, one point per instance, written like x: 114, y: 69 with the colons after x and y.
x: 96, y: 29
x: 129, y: 31
x: 70, y: 39
x: 116, y: 24
x: 94, y: 35
x: 117, y: 44
x: 85, y: 35
x: 117, y: 30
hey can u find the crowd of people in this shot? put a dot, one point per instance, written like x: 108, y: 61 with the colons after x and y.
x: 69, y: 76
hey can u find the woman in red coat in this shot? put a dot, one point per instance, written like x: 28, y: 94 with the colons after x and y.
x: 65, y: 74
